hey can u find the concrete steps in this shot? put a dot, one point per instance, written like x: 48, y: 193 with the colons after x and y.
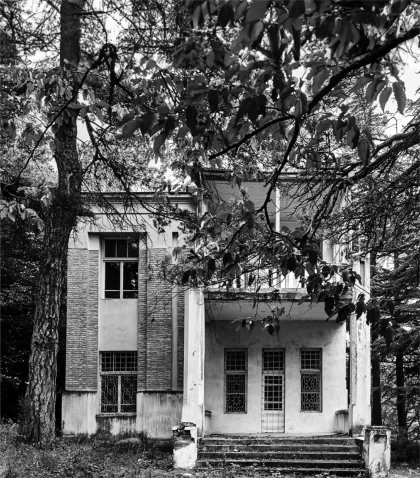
x: 302, y: 455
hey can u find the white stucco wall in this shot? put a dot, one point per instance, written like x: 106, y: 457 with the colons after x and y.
x: 117, y: 327
x: 157, y: 413
x: 293, y: 336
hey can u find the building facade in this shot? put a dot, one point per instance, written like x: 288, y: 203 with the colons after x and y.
x: 144, y: 355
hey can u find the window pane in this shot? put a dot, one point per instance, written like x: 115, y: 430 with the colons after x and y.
x: 110, y: 247
x: 310, y: 359
x: 109, y: 394
x: 235, y: 360
x: 130, y: 284
x: 311, y: 392
x: 112, y: 277
x: 128, y: 393
x: 133, y: 248
x: 273, y: 360
x: 235, y: 393
x: 122, y: 248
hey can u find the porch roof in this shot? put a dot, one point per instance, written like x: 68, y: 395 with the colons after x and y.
x: 231, y: 305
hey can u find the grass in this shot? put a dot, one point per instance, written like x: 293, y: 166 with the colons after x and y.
x: 129, y: 458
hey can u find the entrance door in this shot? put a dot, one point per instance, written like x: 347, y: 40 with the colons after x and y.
x: 272, y: 391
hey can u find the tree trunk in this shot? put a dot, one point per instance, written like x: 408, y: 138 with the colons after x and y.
x: 376, y: 394
x: 401, y: 396
x: 59, y: 219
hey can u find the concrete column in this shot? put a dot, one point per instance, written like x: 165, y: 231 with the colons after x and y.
x: 194, y: 340
x: 360, y: 371
x: 377, y: 451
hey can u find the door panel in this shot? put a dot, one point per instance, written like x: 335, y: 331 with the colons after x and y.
x: 273, y: 391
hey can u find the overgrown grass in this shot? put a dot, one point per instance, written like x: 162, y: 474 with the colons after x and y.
x: 139, y: 457
x: 90, y: 458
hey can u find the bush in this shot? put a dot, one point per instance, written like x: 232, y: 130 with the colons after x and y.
x: 405, y: 451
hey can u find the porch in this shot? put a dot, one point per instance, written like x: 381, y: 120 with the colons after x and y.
x: 237, y: 381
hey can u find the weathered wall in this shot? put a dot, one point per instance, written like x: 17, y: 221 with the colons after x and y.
x: 293, y: 336
x: 156, y: 414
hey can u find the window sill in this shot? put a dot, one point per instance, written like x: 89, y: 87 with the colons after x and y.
x: 116, y: 415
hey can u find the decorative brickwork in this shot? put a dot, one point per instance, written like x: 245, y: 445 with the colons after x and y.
x: 82, y: 320
x: 92, y: 322
x: 142, y: 314
x: 180, y: 357
x: 77, y: 313
x: 159, y: 325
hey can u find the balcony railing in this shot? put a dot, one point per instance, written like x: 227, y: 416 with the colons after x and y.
x: 263, y: 280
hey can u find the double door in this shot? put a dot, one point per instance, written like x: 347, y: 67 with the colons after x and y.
x: 273, y: 391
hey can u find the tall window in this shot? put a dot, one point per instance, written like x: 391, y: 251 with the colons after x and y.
x: 311, y: 370
x: 118, y: 382
x: 121, y: 268
x: 235, y: 380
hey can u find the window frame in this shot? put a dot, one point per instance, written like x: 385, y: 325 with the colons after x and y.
x: 311, y: 371
x: 120, y: 261
x: 243, y: 372
x: 119, y: 374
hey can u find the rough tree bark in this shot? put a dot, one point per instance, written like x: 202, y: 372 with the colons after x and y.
x: 60, y: 218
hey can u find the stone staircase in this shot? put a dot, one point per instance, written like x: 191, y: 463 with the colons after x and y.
x: 309, y: 456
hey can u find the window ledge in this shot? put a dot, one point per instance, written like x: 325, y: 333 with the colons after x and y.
x: 116, y: 415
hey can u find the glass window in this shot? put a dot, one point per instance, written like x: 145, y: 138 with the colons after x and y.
x: 121, y: 276
x: 235, y: 381
x: 311, y: 373
x: 118, y: 382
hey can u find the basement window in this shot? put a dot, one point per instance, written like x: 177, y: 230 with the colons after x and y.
x: 121, y: 268
x: 310, y: 374
x: 118, y: 382
x: 235, y: 380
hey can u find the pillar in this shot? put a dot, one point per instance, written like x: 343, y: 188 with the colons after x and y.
x: 194, y: 342
x: 360, y: 366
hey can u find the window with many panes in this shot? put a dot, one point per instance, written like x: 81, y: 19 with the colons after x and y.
x: 235, y: 380
x: 311, y: 374
x: 118, y: 382
x: 121, y: 268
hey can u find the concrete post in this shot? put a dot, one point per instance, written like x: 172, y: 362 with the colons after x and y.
x: 194, y: 342
x: 377, y: 451
x: 360, y: 371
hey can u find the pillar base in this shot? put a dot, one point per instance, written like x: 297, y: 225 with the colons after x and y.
x: 377, y: 451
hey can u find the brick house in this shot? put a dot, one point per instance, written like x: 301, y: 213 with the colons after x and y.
x: 143, y: 356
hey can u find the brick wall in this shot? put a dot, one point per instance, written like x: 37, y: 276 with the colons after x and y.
x: 154, y: 322
x: 82, y: 320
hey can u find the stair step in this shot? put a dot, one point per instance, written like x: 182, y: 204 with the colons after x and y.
x: 279, y: 440
x: 279, y: 455
x: 310, y: 472
x: 278, y: 447
x: 284, y: 463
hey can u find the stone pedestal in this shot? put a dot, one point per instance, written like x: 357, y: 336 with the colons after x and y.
x: 377, y: 451
x: 185, y: 447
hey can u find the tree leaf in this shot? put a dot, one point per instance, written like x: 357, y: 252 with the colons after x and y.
x: 225, y: 15
x: 191, y: 117
x: 213, y: 100
x: 319, y: 79
x: 363, y: 150
x: 384, y: 97
x: 130, y: 128
x: 256, y: 10
x: 159, y: 142
x: 256, y: 31
x: 147, y: 121
x: 399, y: 94
x: 240, y: 10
